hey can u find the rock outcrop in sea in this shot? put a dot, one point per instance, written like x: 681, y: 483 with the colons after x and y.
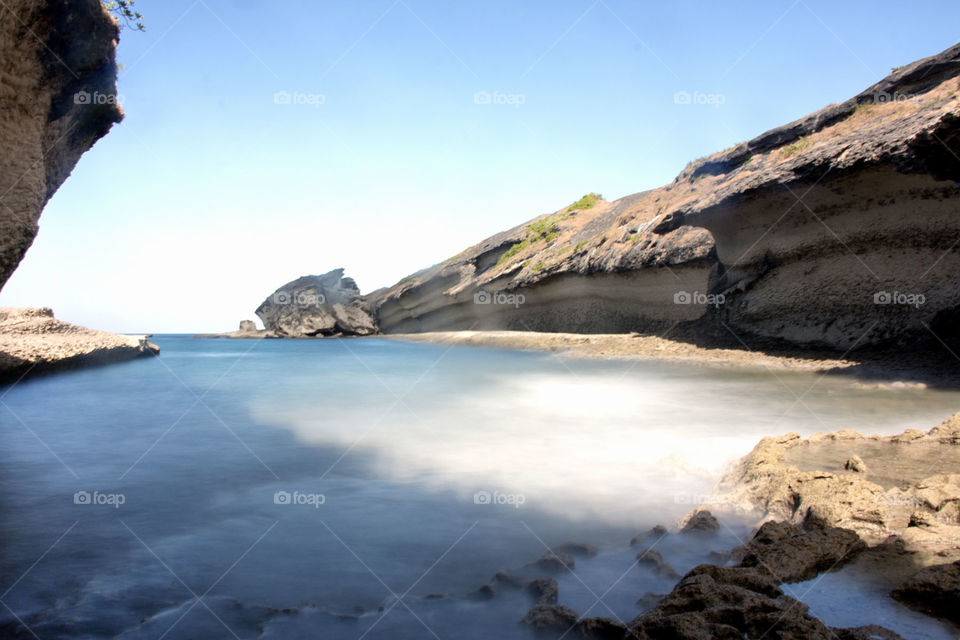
x: 314, y: 306
x: 836, y: 230
x: 58, y: 96
x: 33, y: 341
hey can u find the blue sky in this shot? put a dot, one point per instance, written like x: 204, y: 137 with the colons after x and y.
x: 213, y: 192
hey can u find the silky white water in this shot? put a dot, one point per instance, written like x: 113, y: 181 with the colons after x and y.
x: 288, y: 489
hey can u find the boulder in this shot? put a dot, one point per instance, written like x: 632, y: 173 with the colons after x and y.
x: 312, y: 306
x: 790, y: 553
x: 248, y: 326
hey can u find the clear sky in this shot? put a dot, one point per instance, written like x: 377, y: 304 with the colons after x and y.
x: 213, y: 192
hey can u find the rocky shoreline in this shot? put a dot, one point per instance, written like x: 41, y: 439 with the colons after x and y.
x: 32, y: 342
x: 821, y: 503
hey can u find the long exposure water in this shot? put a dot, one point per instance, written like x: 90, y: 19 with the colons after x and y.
x: 339, y: 488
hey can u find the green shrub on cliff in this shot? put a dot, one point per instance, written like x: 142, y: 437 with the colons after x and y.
x: 585, y: 202
x: 125, y: 14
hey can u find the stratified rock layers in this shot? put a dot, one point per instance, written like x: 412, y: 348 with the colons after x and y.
x: 838, y: 229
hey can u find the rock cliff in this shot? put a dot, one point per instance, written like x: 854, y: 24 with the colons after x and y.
x: 58, y: 96
x: 837, y: 230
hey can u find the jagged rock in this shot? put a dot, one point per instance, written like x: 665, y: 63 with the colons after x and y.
x: 655, y: 533
x: 934, y: 590
x: 310, y: 306
x: 654, y: 561
x: 789, y: 553
x: 248, y: 326
x: 735, y: 603
x: 58, y: 96
x: 778, y: 481
x: 543, y: 590
x: 701, y: 523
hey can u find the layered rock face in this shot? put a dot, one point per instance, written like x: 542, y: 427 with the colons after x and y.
x: 313, y: 306
x: 838, y: 229
x: 58, y: 96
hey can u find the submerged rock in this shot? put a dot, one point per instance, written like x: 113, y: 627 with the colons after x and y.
x: 312, y: 306
x: 543, y: 590
x: 701, y: 523
x: 654, y: 561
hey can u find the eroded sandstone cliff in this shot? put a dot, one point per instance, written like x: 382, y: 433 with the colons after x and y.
x: 839, y: 229
x: 58, y: 96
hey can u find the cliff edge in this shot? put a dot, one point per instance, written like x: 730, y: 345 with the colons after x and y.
x: 837, y: 230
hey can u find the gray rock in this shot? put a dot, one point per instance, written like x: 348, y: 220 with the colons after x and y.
x: 702, y: 523
x: 311, y: 306
x: 543, y: 590
x: 654, y: 561
x: 248, y: 326
x: 654, y: 534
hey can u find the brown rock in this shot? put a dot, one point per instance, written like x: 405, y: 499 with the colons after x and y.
x: 934, y: 590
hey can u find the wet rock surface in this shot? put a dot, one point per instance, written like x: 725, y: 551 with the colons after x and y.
x: 747, y: 601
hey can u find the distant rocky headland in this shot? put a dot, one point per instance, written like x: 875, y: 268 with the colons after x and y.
x: 836, y: 231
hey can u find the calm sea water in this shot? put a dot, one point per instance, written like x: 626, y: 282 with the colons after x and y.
x: 335, y: 488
